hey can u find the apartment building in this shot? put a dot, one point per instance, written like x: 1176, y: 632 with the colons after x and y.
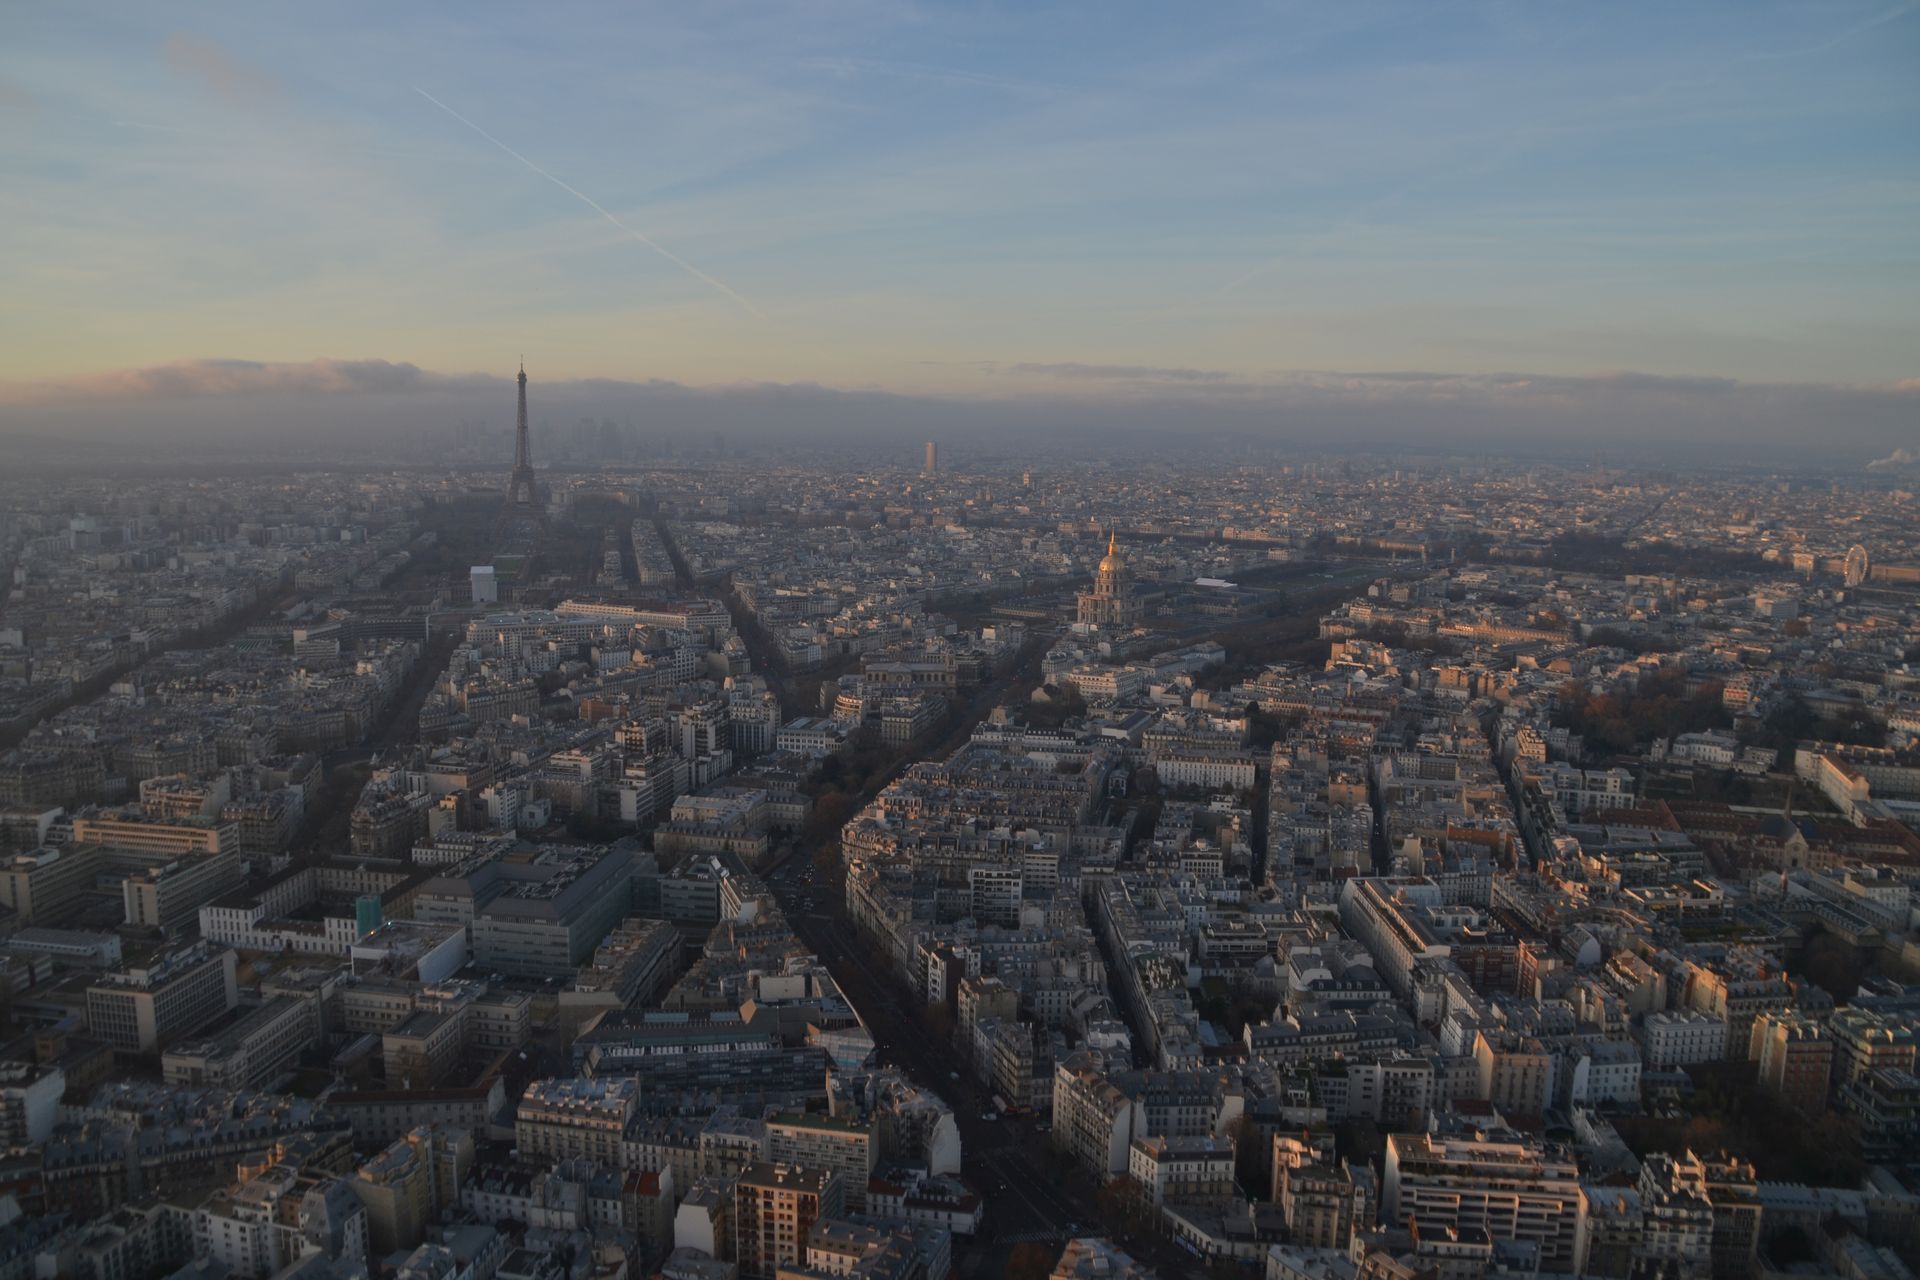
x: 30, y: 1096
x: 46, y: 886
x: 1182, y: 1168
x: 1510, y: 1186
x: 134, y: 832
x: 632, y: 964
x: 410, y: 1184
x: 1682, y: 1037
x: 1796, y: 1058
x: 169, y: 896
x: 1322, y: 1206
x: 543, y: 916
x: 261, y: 1045
x: 563, y: 1119
x: 1093, y: 1120
x: 150, y: 1008
x: 775, y: 1207
x: 848, y: 1147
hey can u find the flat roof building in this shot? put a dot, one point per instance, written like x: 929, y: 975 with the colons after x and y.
x: 775, y: 1207
x: 168, y: 897
x: 538, y: 914
x: 47, y: 885
x: 1510, y: 1186
x: 147, y: 1009
x: 248, y: 1054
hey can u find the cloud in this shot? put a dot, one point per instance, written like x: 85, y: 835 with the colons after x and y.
x: 1898, y: 458
x: 1118, y: 372
x: 1401, y: 383
x: 194, y: 379
x: 239, y: 83
x: 380, y: 409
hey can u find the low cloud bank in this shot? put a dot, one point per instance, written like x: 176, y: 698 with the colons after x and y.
x: 400, y: 410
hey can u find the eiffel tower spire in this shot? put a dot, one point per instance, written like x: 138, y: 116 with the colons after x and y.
x: 520, y: 486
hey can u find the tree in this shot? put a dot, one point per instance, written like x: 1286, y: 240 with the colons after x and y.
x: 1124, y: 1205
x: 1615, y: 638
x: 1062, y: 704
x: 1030, y: 1260
x: 831, y: 811
x: 1793, y: 721
x: 1659, y: 706
x: 1833, y: 965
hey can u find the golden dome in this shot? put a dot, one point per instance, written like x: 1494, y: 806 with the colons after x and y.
x: 1112, y: 562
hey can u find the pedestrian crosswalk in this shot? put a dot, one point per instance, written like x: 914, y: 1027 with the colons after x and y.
x: 1032, y: 1237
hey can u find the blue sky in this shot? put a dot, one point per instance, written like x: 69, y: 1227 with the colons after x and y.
x: 967, y: 199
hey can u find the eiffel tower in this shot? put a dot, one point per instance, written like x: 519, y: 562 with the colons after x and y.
x: 522, y: 498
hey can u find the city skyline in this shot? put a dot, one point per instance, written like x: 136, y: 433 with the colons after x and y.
x: 1641, y: 220
x: 1308, y: 870
x: 904, y: 640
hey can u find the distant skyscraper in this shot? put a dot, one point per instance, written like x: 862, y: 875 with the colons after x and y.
x: 520, y: 486
x: 933, y: 457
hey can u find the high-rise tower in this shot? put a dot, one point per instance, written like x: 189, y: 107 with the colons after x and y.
x: 933, y: 457
x: 520, y: 486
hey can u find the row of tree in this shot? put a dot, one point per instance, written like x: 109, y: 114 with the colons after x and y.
x: 1658, y: 706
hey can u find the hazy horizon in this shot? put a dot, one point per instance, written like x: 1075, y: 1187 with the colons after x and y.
x: 404, y: 411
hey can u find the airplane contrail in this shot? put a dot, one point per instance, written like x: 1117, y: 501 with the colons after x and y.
x: 598, y: 208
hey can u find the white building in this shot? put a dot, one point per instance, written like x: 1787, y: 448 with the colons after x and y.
x: 29, y: 1102
x: 811, y: 735
x: 1182, y: 1168
x: 1682, y: 1037
x: 1511, y: 1187
x: 1597, y: 1072
x: 1216, y: 770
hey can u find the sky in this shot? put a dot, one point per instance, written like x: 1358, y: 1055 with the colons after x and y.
x: 1584, y: 217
